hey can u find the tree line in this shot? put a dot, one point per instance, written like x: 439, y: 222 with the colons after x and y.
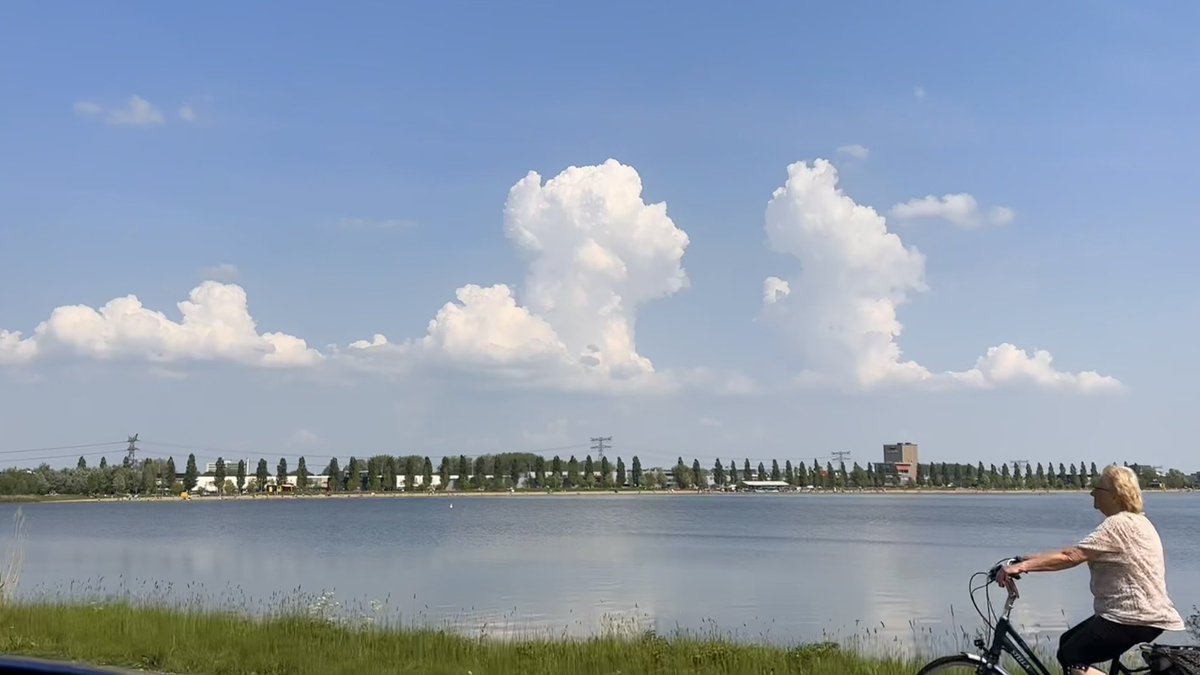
x: 531, y: 471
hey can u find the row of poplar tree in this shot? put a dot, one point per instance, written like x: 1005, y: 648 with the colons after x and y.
x: 527, y: 470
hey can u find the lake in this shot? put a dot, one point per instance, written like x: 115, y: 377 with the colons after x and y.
x: 772, y: 568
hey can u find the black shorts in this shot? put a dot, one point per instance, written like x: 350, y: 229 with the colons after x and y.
x: 1096, y: 640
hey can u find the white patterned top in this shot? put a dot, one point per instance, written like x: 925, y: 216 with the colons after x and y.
x: 1129, y: 578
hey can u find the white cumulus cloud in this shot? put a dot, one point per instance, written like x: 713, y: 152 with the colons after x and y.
x: 775, y: 289
x: 855, y: 151
x: 14, y: 350
x: 596, y: 253
x: 216, y: 325
x: 222, y: 272
x: 137, y: 112
x: 841, y: 309
x: 961, y: 209
x: 187, y: 113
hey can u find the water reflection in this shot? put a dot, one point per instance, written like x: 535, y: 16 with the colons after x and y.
x: 889, y: 571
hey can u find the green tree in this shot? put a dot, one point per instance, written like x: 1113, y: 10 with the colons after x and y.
x: 1041, y: 477
x: 103, y: 462
x: 1005, y: 477
x: 118, y: 483
x: 353, y: 475
x: 427, y: 471
x: 464, y: 472
x: 775, y: 475
x: 718, y: 473
x: 858, y: 477
x: 444, y: 473
x: 261, y: 474
x: 302, y: 474
x: 81, y: 464
x: 789, y: 473
x: 478, y: 477
x: 149, y: 477
x: 572, y: 473
x: 333, y: 474
x: 801, y: 474
x: 698, y: 478
x: 219, y: 475
x: 389, y: 473
x: 746, y: 474
x: 1095, y: 474
x: 734, y: 478
x: 636, y: 474
x: 605, y: 471
x: 589, y: 471
x: 169, y: 478
x: 281, y: 473
x: 190, y: 474
x: 870, y: 478
x: 681, y: 475
x: 241, y: 475
x: 410, y: 468
x: 539, y: 472
x: 620, y: 472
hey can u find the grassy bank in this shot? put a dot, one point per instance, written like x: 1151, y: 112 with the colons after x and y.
x: 176, y: 641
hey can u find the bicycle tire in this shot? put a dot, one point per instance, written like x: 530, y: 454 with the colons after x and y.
x: 958, y: 663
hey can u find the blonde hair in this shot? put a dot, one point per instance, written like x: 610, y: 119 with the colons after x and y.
x: 1125, y: 487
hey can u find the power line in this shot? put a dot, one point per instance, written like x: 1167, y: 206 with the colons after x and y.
x: 62, y: 447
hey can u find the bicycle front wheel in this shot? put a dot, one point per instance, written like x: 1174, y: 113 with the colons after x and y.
x: 957, y: 665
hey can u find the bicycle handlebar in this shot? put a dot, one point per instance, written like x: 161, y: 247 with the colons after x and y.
x: 995, y: 571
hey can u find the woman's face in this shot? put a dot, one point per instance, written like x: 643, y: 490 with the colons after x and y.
x: 1103, y: 499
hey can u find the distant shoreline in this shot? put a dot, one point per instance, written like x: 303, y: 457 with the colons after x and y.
x: 542, y: 494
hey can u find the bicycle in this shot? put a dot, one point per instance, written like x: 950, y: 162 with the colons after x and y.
x: 1165, y: 659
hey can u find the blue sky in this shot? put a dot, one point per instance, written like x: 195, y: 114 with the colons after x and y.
x: 350, y: 168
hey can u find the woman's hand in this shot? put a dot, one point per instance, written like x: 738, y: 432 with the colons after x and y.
x: 1007, y: 574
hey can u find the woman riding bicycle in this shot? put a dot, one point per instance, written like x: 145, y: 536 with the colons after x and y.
x: 1125, y: 557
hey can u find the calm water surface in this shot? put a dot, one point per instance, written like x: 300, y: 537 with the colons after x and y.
x: 764, y: 568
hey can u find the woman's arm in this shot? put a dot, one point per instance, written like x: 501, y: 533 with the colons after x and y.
x: 1052, y: 561
x: 1048, y: 562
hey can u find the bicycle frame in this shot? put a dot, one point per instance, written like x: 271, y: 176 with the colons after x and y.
x: 1005, y: 639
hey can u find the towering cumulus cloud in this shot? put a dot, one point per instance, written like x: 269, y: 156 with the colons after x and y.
x: 596, y: 253
x: 840, y: 309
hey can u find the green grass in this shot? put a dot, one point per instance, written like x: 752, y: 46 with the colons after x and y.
x: 184, y: 641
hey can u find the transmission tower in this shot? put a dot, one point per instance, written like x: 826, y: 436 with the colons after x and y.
x: 599, y: 444
x: 1023, y: 463
x: 840, y: 455
x: 131, y: 452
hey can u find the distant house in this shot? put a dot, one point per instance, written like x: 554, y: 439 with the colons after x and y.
x: 765, y: 485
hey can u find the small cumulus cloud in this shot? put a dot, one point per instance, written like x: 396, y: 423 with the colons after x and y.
x: 961, y: 209
x: 854, y: 151
x: 918, y: 92
x: 841, y: 308
x: 306, y: 438
x: 187, y: 113
x: 137, y: 112
x: 222, y: 272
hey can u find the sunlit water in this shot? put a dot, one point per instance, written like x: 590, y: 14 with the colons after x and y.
x: 878, y: 569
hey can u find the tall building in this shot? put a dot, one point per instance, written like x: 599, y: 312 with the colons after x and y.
x: 900, y: 453
x: 902, y: 456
